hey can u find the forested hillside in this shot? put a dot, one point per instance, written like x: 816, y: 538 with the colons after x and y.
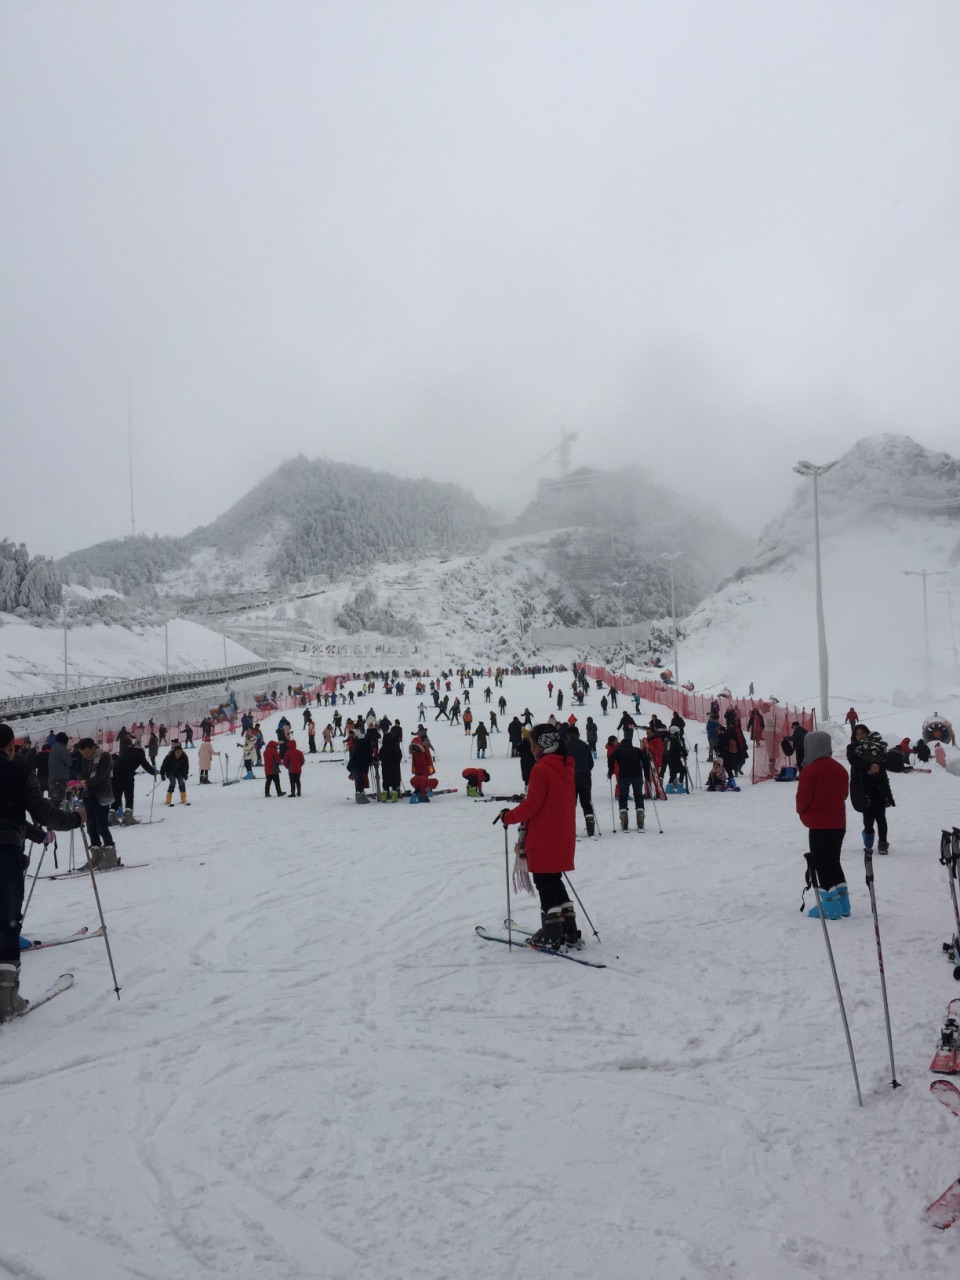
x: 319, y: 519
x: 334, y: 518
x: 29, y: 586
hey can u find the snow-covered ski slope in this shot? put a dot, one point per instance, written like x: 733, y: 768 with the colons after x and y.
x: 31, y: 657
x: 317, y: 1070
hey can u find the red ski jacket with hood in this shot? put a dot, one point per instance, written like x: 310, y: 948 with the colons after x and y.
x: 550, y: 812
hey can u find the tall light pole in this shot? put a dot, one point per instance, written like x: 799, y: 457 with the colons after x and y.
x: 809, y: 469
x: 595, y: 598
x: 66, y: 678
x: 670, y: 558
x: 623, y: 643
x: 925, y: 574
x: 953, y: 634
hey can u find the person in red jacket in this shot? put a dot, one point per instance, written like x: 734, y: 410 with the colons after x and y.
x: 822, y: 805
x: 271, y: 768
x: 424, y: 778
x: 293, y: 760
x: 475, y: 779
x: 550, y: 813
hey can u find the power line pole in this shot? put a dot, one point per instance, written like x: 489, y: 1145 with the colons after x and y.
x: 809, y: 469
x: 925, y: 574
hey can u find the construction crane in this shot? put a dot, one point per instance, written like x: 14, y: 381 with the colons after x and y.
x: 562, y: 451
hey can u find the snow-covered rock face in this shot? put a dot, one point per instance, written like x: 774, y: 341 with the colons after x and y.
x: 880, y: 478
x: 888, y: 509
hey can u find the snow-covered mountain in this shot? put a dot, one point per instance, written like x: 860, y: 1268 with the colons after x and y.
x: 888, y: 510
x: 334, y: 533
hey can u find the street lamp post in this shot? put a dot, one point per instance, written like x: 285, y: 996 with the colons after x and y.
x: 925, y: 574
x: 670, y: 558
x: 953, y: 634
x: 809, y: 469
x: 623, y: 644
x: 595, y: 598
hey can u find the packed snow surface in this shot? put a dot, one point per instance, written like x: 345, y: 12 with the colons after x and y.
x: 316, y: 1069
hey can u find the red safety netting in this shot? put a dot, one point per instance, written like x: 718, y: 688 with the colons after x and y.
x: 765, y: 724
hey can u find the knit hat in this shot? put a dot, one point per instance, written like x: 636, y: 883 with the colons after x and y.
x: 546, y: 736
x: 816, y: 745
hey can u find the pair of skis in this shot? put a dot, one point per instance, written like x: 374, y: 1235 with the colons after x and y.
x: 945, y: 1210
x: 946, y: 1060
x: 81, y: 935
x: 82, y: 871
x: 63, y: 983
x: 522, y: 939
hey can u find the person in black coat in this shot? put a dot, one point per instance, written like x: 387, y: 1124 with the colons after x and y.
x: 176, y: 769
x: 632, y: 770
x: 582, y: 758
x: 391, y: 756
x: 515, y: 734
x: 798, y: 735
x: 128, y: 762
x: 870, y: 792
x: 19, y: 795
x: 527, y: 758
x: 358, y: 763
x: 676, y: 757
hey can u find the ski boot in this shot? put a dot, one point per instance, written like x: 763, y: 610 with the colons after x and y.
x: 109, y: 859
x: 571, y: 934
x: 362, y: 798
x: 473, y: 793
x: 624, y: 820
x: 169, y: 798
x: 830, y: 900
x: 640, y: 817
x: 128, y: 819
x: 867, y: 837
x: 551, y: 931
x: 12, y: 1003
x: 394, y: 797
x: 843, y: 895
x: 883, y: 846
x: 591, y: 825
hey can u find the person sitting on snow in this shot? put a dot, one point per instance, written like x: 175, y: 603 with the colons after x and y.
x: 717, y: 777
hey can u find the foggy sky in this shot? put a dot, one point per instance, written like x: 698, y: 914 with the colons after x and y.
x: 710, y: 237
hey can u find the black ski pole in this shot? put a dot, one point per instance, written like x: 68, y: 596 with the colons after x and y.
x: 580, y: 905
x: 653, y: 800
x: 506, y: 867
x: 868, y: 865
x: 103, y: 923
x: 43, y: 850
x: 949, y: 860
x: 836, y: 980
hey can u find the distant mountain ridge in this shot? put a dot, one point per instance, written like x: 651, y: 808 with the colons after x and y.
x: 316, y: 518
